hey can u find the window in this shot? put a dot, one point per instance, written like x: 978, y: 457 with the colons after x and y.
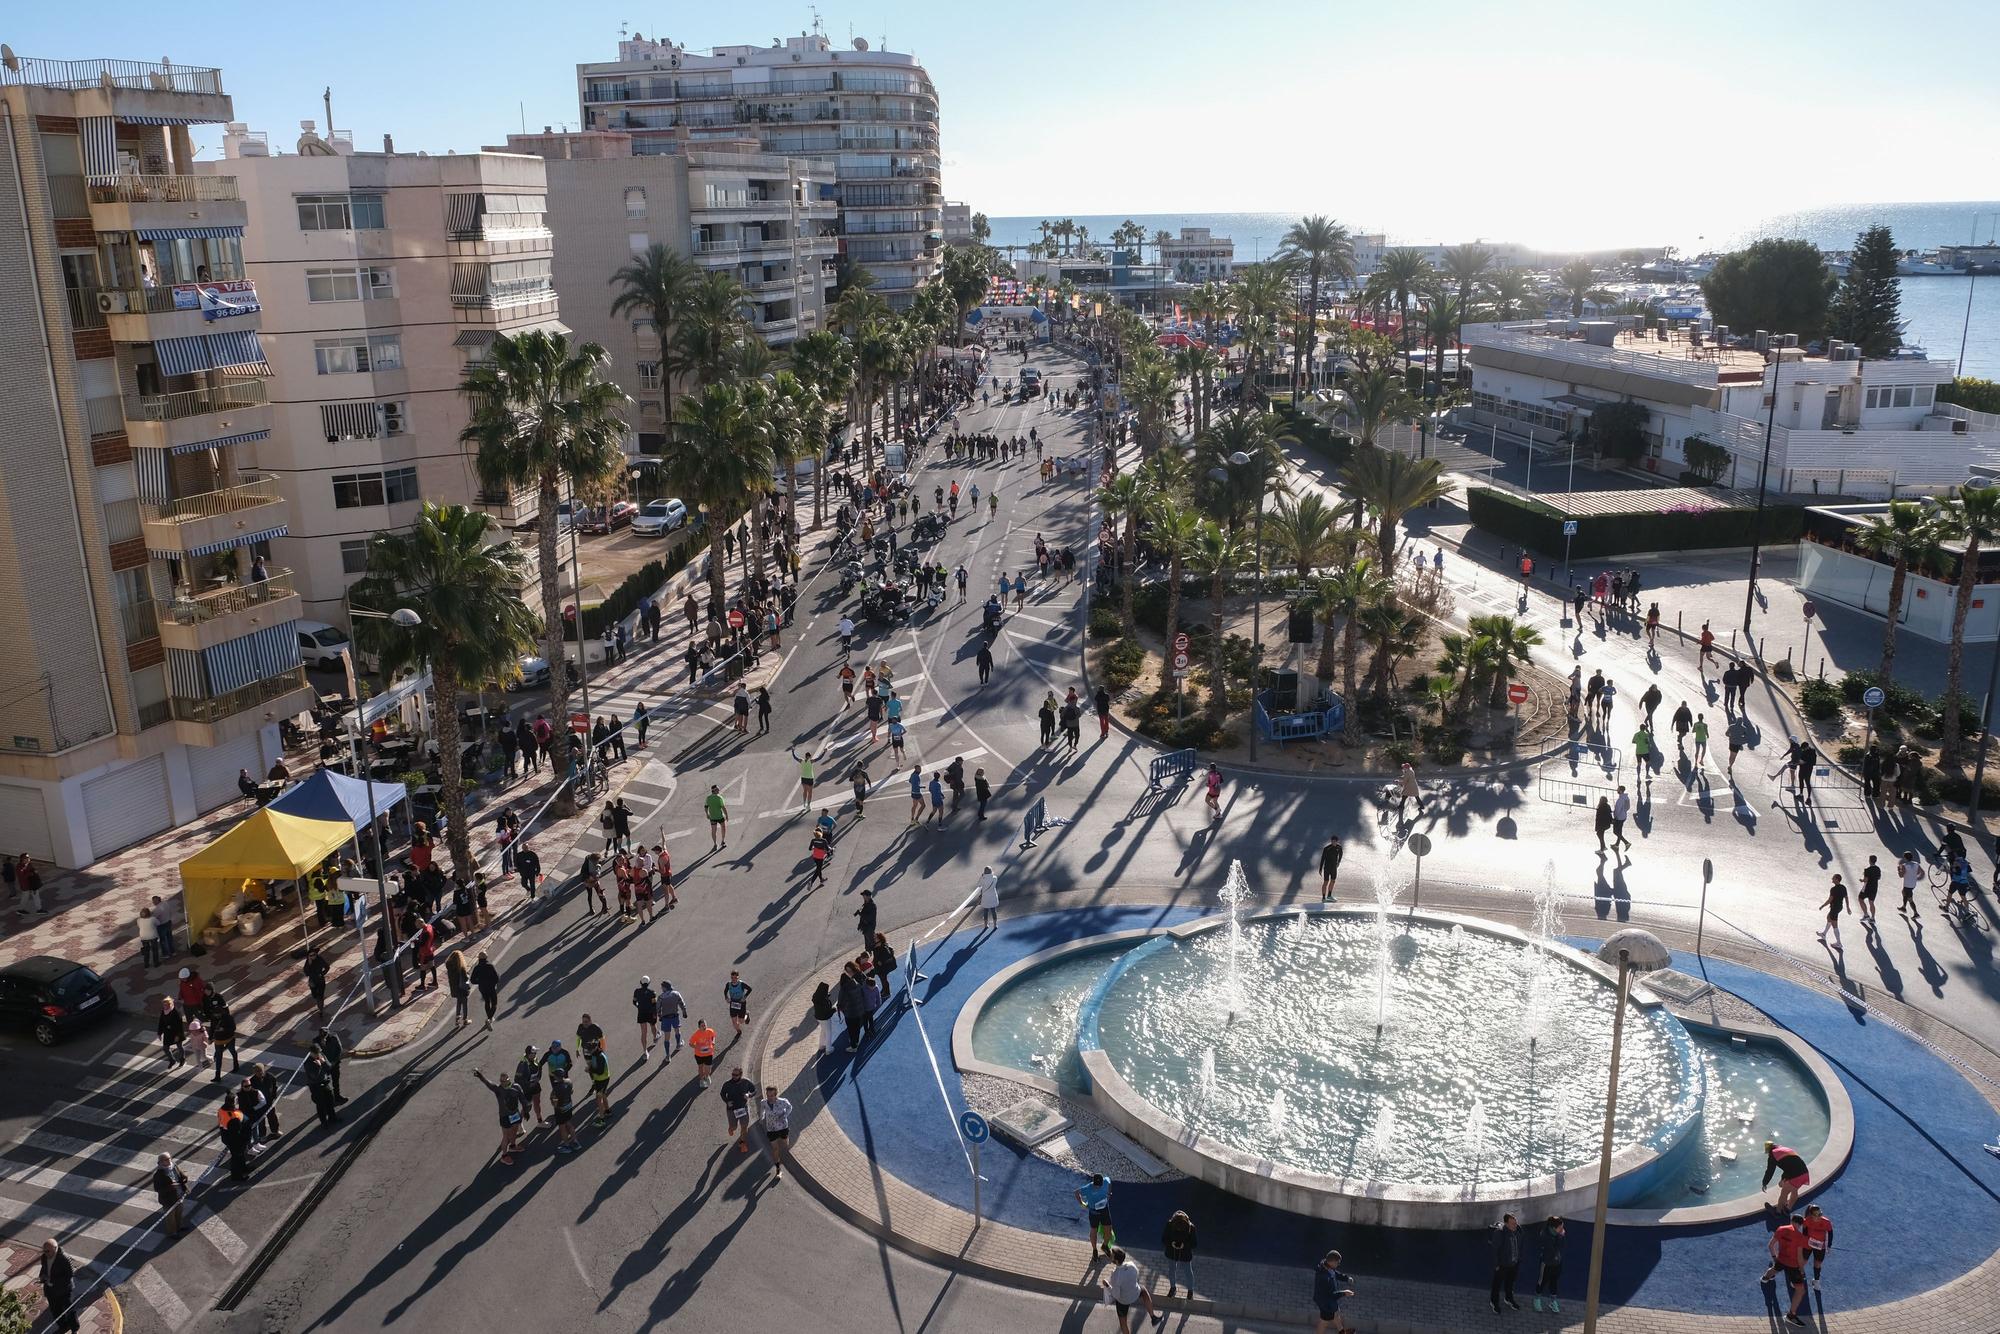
x: 635, y: 201
x: 395, y: 418
x: 1924, y: 394
x: 1902, y: 396
x: 333, y: 285
x: 351, y: 353
x: 649, y: 375
x: 638, y: 241
x: 381, y: 281
x: 356, y: 490
x: 400, y: 485
x: 339, y: 213
x: 354, y: 556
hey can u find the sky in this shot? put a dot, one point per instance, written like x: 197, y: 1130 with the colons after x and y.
x: 1553, y: 123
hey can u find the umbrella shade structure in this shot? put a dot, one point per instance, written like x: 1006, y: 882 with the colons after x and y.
x: 1177, y: 341
x: 270, y: 845
x: 333, y: 796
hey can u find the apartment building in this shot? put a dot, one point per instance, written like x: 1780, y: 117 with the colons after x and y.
x: 1197, y: 257
x: 956, y: 222
x: 872, y: 115
x: 1842, y: 425
x: 762, y: 218
x: 382, y: 277
x: 152, y: 646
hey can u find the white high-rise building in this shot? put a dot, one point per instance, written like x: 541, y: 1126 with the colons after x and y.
x: 871, y: 115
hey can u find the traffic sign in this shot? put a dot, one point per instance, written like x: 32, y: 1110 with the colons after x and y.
x: 1517, y: 693
x: 1873, y: 697
x: 1811, y: 609
x: 1180, y: 645
x: 580, y: 723
x: 973, y: 1126
x: 1569, y: 527
x: 1180, y: 662
x: 1419, y: 845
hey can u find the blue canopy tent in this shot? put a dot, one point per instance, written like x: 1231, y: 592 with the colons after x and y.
x: 333, y: 796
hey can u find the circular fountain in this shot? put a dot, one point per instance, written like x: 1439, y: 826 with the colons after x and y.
x: 1382, y: 1065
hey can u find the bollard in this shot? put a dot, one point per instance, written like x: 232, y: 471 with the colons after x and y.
x: 1732, y: 641
x: 1679, y: 628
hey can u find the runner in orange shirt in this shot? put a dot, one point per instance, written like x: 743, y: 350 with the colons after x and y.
x: 702, y: 1043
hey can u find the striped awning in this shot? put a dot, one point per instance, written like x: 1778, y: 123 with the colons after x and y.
x: 185, y: 233
x: 256, y: 657
x: 167, y: 120
x: 350, y: 421
x: 474, y: 338
x: 100, y: 145
x: 226, y: 544
x: 237, y: 350
x: 220, y: 442
x: 154, y: 474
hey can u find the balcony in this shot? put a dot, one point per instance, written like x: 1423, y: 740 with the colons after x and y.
x: 223, y: 718
x: 768, y: 208
x: 133, y: 90
x: 214, y: 519
x: 146, y: 314
x: 203, y: 620
x: 127, y: 203
x: 193, y: 416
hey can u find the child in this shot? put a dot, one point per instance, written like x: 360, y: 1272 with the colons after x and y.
x: 197, y: 1038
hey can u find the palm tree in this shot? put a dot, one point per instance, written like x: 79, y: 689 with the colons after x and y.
x: 1576, y: 278
x: 1394, y: 632
x: 1199, y: 366
x: 1466, y: 264
x: 472, y: 625
x: 856, y: 309
x: 655, y: 285
x: 877, y: 357
x: 1327, y: 249
x: 1255, y: 435
x: 1971, y: 517
x: 1161, y: 240
x: 1124, y: 498
x: 1390, y: 485
x: 1510, y: 644
x: 711, y: 325
x: 1255, y: 299
x: 1375, y: 398
x: 725, y: 455
x: 1151, y: 388
x: 1216, y: 553
x: 1905, y: 535
x: 540, y: 413
x: 1467, y: 659
x: 1405, y: 272
x: 1510, y: 294
x: 1306, y: 532
x: 1173, y: 527
x: 824, y: 361
x: 799, y: 428
x: 1346, y: 594
x: 1442, y: 318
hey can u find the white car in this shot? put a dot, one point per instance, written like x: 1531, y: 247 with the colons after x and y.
x: 659, y: 516
x: 320, y: 644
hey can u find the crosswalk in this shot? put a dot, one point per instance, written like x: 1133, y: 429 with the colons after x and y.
x: 83, y: 1173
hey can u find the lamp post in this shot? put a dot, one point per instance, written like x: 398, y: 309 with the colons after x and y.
x: 1239, y: 459
x: 1757, y: 517
x: 405, y: 619
x: 1652, y: 954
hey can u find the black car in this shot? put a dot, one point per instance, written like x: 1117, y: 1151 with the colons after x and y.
x: 53, y: 997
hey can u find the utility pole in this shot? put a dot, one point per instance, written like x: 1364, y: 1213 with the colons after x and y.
x: 1763, y: 475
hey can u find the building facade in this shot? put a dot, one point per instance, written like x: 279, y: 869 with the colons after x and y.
x: 1838, y: 425
x: 153, y: 645
x: 871, y: 115
x: 1197, y: 257
x: 764, y: 219
x: 382, y: 276
x: 957, y: 223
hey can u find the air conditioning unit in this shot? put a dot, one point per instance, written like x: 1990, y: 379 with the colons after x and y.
x: 112, y: 303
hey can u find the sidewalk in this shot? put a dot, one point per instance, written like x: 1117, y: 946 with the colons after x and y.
x: 21, y: 1265
x: 93, y: 913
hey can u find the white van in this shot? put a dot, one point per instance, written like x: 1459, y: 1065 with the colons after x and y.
x: 320, y: 644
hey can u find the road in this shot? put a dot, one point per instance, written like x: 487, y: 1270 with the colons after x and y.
x: 655, y: 1220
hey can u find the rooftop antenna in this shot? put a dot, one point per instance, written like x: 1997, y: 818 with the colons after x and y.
x: 327, y: 97
x: 819, y: 29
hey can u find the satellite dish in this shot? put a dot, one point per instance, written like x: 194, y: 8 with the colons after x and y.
x: 9, y: 59
x: 861, y: 43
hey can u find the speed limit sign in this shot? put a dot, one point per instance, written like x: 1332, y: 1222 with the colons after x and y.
x: 1180, y: 662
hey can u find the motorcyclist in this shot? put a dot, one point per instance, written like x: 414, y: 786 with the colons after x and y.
x: 992, y: 612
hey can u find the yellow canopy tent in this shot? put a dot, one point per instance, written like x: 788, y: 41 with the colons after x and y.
x: 270, y: 845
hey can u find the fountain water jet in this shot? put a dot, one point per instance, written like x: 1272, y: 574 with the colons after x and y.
x: 1235, y: 889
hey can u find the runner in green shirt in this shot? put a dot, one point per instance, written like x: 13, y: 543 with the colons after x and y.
x: 718, y: 818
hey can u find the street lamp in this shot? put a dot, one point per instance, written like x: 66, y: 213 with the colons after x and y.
x: 403, y: 618
x: 1635, y: 951
x: 1239, y: 459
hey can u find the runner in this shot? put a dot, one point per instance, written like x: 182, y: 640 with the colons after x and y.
x: 1329, y: 867
x: 718, y: 818
x: 1785, y: 1164
x: 1095, y: 1198
x: 598, y: 1066
x: 1819, y: 1240
x: 1788, y: 1253
x: 646, y: 1002
x: 859, y: 778
x: 562, y: 1109
x: 1214, y: 785
x: 808, y: 774
x: 702, y: 1043
x: 736, y: 994
x: 673, y: 1008
x: 916, y: 795
x: 775, y: 1114
x: 1911, y: 873
x: 736, y: 1094
x: 528, y: 1080
x: 846, y: 686
x: 508, y: 1099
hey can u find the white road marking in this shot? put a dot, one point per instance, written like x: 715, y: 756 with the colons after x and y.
x: 1038, y: 620
x: 34, y: 1217
x: 219, y: 1235
x: 875, y: 789
x: 148, y: 1284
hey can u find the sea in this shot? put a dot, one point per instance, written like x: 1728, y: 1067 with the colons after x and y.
x: 1935, y: 308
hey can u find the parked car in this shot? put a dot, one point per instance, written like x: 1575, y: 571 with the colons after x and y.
x: 534, y: 673
x: 53, y: 997
x: 608, y: 520
x: 659, y: 516
x: 320, y: 644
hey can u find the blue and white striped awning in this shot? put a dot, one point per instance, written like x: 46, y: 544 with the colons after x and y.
x: 236, y: 350
x: 226, y: 544
x: 185, y: 233
x: 166, y: 120
x: 221, y: 442
x: 258, y: 657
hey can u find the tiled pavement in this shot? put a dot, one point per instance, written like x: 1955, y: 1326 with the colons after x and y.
x: 844, y: 1178
x: 21, y: 1265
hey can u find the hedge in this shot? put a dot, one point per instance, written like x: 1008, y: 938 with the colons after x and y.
x: 643, y: 582
x: 1538, y: 527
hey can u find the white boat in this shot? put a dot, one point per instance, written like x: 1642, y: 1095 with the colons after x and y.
x: 1913, y: 265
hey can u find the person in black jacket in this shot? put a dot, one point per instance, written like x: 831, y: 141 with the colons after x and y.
x: 170, y: 1184
x: 236, y: 1138
x: 1177, y: 1240
x: 222, y: 1035
x: 1506, y: 1239
x: 823, y: 1012
x: 58, y: 1278
x: 320, y: 1085
x: 487, y: 978
x: 173, y: 1032
x: 865, y: 917
x: 331, y: 1050
x: 266, y: 1083
x: 1329, y: 867
x: 884, y: 960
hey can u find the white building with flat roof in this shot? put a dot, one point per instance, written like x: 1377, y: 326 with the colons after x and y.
x: 1843, y: 426
x: 1196, y: 256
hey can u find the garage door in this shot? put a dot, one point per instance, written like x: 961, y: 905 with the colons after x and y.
x: 126, y: 805
x: 213, y: 770
x: 24, y: 823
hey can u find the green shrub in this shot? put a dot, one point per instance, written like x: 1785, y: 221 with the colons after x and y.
x: 1122, y: 664
x: 1851, y: 754
x: 1444, y: 743
x: 1819, y: 699
x: 1399, y: 752
x: 1958, y: 788
x: 1104, y: 623
x: 643, y: 582
x: 1538, y: 527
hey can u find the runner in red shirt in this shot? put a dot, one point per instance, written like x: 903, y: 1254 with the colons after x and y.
x: 1788, y: 1252
x: 1819, y: 1240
